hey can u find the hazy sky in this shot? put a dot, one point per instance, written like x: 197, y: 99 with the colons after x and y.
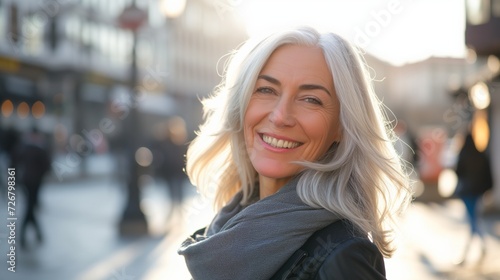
x: 397, y: 31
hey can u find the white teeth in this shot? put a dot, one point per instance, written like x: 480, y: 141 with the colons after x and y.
x: 279, y: 143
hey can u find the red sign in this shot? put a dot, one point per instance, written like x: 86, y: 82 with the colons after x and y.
x: 132, y: 18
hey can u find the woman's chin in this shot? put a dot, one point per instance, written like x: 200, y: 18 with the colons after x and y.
x: 277, y: 173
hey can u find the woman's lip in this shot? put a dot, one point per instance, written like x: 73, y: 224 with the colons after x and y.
x: 277, y: 149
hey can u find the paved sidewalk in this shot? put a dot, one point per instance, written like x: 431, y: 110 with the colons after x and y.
x: 81, y: 240
x: 79, y: 222
x: 432, y: 242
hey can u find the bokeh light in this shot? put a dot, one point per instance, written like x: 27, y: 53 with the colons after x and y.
x: 38, y: 110
x: 172, y: 8
x: 493, y: 64
x: 144, y: 156
x: 447, y: 182
x: 480, y: 130
x: 480, y: 96
x: 23, y: 110
x: 7, y: 108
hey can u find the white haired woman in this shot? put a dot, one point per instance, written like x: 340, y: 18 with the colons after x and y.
x: 306, y: 178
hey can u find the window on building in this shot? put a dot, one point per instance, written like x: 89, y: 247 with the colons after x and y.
x: 114, y: 45
x: 72, y: 29
x: 107, y: 42
x: 33, y: 27
x: 98, y: 40
x: 478, y: 11
x: 123, y: 46
x: 85, y: 33
x: 3, y: 23
x: 145, y: 55
x: 53, y: 33
x: 13, y: 32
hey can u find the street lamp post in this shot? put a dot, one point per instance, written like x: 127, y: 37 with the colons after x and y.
x: 133, y: 221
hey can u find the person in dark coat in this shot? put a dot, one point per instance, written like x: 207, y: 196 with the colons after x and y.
x: 169, y: 148
x: 474, y: 179
x: 9, y: 139
x: 32, y: 162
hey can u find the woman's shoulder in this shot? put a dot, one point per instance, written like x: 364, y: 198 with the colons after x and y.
x: 337, y: 251
x: 353, y: 258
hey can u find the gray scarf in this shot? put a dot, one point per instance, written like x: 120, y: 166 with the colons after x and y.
x: 253, y: 241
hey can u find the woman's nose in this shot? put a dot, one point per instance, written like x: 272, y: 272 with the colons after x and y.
x: 282, y: 115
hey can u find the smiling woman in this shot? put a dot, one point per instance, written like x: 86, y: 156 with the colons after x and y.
x: 295, y: 148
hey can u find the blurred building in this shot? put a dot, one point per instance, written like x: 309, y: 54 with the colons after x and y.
x: 65, y: 66
x: 482, y: 36
x: 419, y: 94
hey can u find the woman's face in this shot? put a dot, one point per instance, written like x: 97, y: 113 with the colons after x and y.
x: 293, y: 114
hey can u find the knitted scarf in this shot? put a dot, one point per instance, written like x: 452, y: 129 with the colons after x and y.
x: 253, y: 241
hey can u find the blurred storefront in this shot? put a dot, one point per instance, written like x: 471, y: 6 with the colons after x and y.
x: 65, y: 68
x: 21, y: 85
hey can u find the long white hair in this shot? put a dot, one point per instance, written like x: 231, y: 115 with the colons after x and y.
x: 361, y: 178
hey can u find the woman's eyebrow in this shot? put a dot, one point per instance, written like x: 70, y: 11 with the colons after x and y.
x: 302, y: 87
x: 270, y: 79
x: 313, y: 87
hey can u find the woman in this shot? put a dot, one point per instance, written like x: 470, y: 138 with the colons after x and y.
x: 303, y: 168
x: 474, y: 179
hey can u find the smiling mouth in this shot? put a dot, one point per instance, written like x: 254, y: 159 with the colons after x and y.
x: 279, y: 143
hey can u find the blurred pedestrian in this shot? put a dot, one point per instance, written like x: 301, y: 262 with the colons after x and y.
x: 474, y: 179
x: 9, y: 139
x: 32, y: 162
x: 305, y: 175
x: 169, y: 148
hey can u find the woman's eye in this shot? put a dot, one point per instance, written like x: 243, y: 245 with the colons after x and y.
x: 313, y: 100
x: 266, y: 90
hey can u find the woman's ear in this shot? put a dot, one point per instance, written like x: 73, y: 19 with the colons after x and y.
x: 334, y: 145
x: 338, y: 135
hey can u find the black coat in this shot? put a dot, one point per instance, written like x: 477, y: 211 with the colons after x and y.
x: 338, y: 251
x: 33, y: 162
x: 473, y: 170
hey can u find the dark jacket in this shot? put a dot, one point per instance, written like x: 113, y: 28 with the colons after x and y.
x: 338, y: 251
x: 473, y: 170
x: 33, y: 163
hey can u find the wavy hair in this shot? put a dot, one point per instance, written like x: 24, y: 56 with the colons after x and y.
x: 361, y: 178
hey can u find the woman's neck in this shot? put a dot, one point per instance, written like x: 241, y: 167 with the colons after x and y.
x: 269, y: 186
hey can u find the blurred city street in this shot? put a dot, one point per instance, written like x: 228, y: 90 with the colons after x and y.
x: 81, y: 241
x: 108, y: 94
